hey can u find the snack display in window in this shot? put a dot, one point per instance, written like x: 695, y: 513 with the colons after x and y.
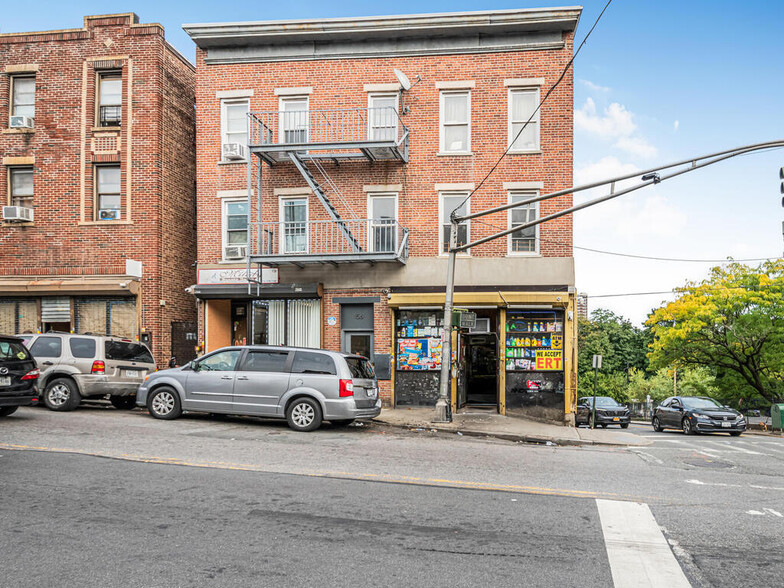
x: 418, y: 335
x: 534, y: 341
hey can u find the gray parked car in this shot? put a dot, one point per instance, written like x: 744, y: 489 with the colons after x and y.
x: 88, y: 366
x: 304, y: 386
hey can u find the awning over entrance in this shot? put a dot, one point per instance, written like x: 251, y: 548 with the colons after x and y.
x: 501, y: 299
x: 99, y: 286
x: 240, y: 291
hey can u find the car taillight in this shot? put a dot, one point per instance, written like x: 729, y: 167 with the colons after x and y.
x: 32, y: 374
x: 99, y: 367
x: 346, y: 388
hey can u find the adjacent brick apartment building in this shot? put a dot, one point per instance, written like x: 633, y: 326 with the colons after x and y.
x: 97, y: 182
x: 330, y: 155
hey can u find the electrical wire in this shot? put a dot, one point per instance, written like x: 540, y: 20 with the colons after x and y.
x: 635, y: 256
x: 542, y: 101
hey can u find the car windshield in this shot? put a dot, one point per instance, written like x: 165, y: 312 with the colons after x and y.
x: 701, y: 403
x: 605, y: 401
x: 13, y: 350
x: 128, y: 351
x: 360, y: 368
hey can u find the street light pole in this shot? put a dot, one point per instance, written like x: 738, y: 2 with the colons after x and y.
x: 593, y: 408
x: 443, y: 406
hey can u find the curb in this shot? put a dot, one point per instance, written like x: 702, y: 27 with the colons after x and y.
x: 507, y: 436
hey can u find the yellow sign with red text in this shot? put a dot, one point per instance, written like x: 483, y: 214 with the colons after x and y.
x: 549, y: 360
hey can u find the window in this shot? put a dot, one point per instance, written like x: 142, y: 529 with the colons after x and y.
x: 23, y: 96
x: 223, y: 361
x: 382, y: 117
x: 522, y: 103
x: 21, y: 186
x: 308, y: 362
x: 125, y: 351
x: 234, y: 122
x: 109, y: 99
x: 265, y: 361
x: 108, y: 192
x: 360, y: 368
x: 294, y: 120
x: 82, y: 348
x: 382, y: 210
x: 455, y: 122
x: 451, y: 201
x: 524, y: 240
x: 47, y: 347
x: 294, y: 230
x: 235, y: 227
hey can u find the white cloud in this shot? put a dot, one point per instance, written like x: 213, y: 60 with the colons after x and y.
x: 616, y: 121
x: 636, y: 146
x: 594, y: 87
x: 675, y: 125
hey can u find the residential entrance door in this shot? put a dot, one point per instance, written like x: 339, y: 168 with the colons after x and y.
x: 359, y: 343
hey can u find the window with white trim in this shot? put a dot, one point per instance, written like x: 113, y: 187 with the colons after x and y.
x: 109, y: 111
x: 522, y: 104
x: 524, y: 241
x: 294, y: 225
x: 235, y: 229
x: 22, y: 96
x: 294, y: 119
x: 234, y: 125
x: 107, y: 193
x: 382, y: 212
x: 20, y: 181
x: 450, y: 201
x: 455, y: 125
x: 382, y: 117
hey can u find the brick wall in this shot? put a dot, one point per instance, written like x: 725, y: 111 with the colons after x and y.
x: 154, y: 148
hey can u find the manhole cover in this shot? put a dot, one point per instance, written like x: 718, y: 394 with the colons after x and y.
x: 707, y: 463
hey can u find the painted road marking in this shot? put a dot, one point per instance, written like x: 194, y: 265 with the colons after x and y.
x: 755, y: 486
x: 639, y: 554
x: 727, y: 445
x: 648, y: 457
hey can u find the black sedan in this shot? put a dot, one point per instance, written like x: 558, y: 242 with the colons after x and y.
x: 697, y: 414
x: 608, y: 412
x: 18, y: 375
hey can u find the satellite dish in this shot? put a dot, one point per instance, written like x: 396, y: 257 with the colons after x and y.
x: 405, y: 83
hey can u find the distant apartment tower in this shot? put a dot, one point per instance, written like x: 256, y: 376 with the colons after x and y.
x: 330, y: 156
x: 582, y: 305
x: 97, y: 183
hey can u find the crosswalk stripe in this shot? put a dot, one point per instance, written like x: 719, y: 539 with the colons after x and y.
x: 639, y: 555
x: 733, y: 447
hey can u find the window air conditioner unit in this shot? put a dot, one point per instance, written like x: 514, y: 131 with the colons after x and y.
x: 17, y: 213
x: 235, y: 252
x: 22, y: 122
x: 233, y: 151
x: 109, y: 214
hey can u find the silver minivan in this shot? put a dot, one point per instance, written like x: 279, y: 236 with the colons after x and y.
x: 305, y: 386
x: 75, y: 366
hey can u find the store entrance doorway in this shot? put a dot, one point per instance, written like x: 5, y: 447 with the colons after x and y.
x: 481, y: 369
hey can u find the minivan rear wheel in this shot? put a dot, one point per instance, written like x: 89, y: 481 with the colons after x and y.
x: 164, y: 403
x: 123, y: 402
x: 61, y: 395
x: 304, y: 414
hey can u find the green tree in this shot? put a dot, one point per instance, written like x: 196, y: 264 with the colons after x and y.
x: 731, y: 323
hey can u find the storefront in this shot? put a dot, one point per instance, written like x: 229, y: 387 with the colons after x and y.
x: 519, y: 358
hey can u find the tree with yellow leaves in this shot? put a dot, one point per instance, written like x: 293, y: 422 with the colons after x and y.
x: 732, y: 322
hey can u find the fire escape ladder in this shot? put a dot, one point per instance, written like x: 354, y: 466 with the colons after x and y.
x: 321, y: 195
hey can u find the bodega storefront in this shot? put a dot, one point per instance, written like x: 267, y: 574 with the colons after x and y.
x: 266, y: 313
x: 519, y: 357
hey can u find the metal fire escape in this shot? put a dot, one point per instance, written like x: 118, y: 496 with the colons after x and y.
x: 307, y: 138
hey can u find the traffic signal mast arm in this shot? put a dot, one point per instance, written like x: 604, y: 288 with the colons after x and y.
x: 650, y: 176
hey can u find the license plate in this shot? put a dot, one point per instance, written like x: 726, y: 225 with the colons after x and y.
x: 616, y: 419
x: 372, y: 392
x: 5, y: 381
x: 726, y: 424
x: 132, y: 374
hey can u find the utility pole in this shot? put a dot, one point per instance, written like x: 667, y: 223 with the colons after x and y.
x: 443, y: 404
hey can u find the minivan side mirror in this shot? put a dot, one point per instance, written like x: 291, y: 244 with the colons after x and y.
x: 190, y: 365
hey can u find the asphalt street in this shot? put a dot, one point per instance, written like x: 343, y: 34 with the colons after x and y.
x: 241, y: 501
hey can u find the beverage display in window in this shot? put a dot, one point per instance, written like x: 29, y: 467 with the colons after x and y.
x: 534, y: 341
x: 418, y: 340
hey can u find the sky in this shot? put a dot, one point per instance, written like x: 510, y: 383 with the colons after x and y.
x: 657, y: 82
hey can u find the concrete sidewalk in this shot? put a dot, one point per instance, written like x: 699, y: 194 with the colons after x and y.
x: 480, y: 423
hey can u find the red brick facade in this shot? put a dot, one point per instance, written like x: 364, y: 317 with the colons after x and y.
x: 153, y: 145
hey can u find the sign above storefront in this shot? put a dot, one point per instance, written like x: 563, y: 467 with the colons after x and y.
x: 269, y: 275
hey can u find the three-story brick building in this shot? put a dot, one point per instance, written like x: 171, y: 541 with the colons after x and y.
x: 97, y: 183
x: 330, y: 156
